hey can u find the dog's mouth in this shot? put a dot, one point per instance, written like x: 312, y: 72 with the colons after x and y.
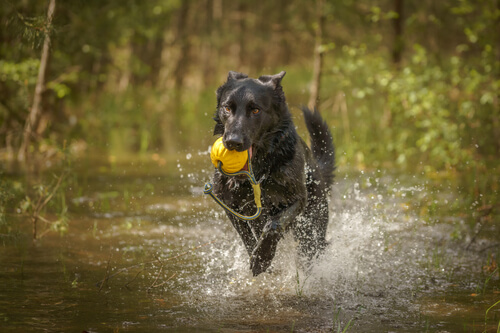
x: 250, y: 154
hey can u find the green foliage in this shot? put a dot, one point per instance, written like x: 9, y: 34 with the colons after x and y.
x: 11, y: 193
x: 44, y: 198
x: 22, y: 73
x: 433, y: 116
x: 17, y: 78
x: 5, y: 196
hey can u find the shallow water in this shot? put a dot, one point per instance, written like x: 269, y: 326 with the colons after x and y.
x: 146, y: 251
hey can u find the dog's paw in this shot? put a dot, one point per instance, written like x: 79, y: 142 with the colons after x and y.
x: 264, y: 251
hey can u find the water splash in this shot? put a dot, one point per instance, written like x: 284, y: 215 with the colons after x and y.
x: 381, y: 254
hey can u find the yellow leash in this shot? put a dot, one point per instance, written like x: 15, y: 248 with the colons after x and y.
x: 256, y: 191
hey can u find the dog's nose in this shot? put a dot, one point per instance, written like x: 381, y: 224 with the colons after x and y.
x: 234, y: 142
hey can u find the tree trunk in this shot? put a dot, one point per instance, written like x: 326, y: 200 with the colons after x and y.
x: 36, y: 109
x: 174, y: 62
x: 496, y: 120
x: 242, y: 31
x: 397, y: 23
x: 318, y: 55
x: 183, y: 43
x: 498, y: 39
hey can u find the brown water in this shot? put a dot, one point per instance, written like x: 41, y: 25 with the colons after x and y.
x: 172, y: 262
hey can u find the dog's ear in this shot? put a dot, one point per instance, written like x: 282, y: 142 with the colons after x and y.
x: 235, y: 76
x: 274, y: 80
x: 219, y: 127
x: 231, y: 76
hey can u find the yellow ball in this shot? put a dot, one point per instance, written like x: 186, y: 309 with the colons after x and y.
x: 232, y: 160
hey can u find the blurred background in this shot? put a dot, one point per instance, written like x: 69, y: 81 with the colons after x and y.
x: 411, y: 85
x: 406, y: 85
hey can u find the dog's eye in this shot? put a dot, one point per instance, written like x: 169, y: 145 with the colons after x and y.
x: 255, y: 111
x: 227, y: 109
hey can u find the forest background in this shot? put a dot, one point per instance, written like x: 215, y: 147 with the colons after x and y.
x: 411, y: 86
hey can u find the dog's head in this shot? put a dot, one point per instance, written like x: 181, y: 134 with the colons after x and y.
x: 248, y: 108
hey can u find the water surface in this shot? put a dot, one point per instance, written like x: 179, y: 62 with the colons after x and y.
x: 146, y: 251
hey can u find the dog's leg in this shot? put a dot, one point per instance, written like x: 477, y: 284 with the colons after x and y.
x: 265, y: 249
x: 245, y: 231
x: 311, y: 230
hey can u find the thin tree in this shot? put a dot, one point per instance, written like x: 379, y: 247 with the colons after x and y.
x: 36, y: 109
x: 318, y: 54
x: 397, y: 24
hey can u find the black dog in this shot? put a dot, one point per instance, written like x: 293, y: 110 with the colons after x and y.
x: 295, y: 180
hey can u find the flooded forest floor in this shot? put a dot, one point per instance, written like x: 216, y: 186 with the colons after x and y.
x: 141, y: 249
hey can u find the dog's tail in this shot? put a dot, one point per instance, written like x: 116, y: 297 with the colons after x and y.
x: 321, y: 143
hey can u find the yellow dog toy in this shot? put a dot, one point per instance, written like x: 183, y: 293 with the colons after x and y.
x: 232, y: 160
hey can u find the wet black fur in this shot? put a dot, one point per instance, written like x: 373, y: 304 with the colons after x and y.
x: 295, y: 180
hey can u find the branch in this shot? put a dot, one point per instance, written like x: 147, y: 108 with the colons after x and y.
x: 106, y: 277
x: 161, y: 284
x: 54, y: 190
x: 157, y: 275
x: 135, y: 277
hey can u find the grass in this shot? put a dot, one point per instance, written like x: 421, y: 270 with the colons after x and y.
x: 299, y: 288
x: 485, y: 284
x: 488, y: 278
x: 486, y: 316
x: 337, y: 323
